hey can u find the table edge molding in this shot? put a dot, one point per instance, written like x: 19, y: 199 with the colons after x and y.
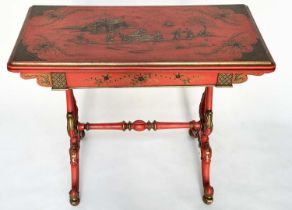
x: 140, y: 64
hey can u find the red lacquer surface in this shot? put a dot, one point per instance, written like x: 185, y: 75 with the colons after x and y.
x: 72, y: 47
x: 136, y: 46
x: 133, y: 79
x: 111, y: 36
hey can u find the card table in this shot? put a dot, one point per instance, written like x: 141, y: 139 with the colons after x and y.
x: 69, y: 47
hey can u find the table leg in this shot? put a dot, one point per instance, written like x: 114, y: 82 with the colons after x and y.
x: 206, y: 115
x: 206, y: 154
x: 202, y: 130
x: 75, y: 136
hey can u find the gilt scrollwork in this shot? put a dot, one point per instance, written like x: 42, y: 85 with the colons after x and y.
x: 208, y: 121
x: 206, y: 152
x: 42, y: 79
x: 73, y: 151
x: 72, y: 124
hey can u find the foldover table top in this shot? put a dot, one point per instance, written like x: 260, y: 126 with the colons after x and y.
x: 67, y: 47
x: 179, y: 39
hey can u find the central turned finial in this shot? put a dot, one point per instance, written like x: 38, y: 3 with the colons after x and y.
x: 139, y: 125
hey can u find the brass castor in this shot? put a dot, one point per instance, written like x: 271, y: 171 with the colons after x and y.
x: 208, y: 199
x: 193, y: 133
x: 74, y: 200
x: 81, y: 134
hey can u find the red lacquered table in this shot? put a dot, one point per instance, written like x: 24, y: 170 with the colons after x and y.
x: 67, y: 47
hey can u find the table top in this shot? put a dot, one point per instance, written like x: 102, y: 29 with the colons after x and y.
x: 165, y: 37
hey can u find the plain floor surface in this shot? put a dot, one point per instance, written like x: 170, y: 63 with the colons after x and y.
x: 251, y: 141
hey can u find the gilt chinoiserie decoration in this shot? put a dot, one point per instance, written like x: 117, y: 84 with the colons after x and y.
x: 67, y: 47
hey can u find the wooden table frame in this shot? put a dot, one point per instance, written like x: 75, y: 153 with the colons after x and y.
x: 69, y: 47
x: 197, y: 129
